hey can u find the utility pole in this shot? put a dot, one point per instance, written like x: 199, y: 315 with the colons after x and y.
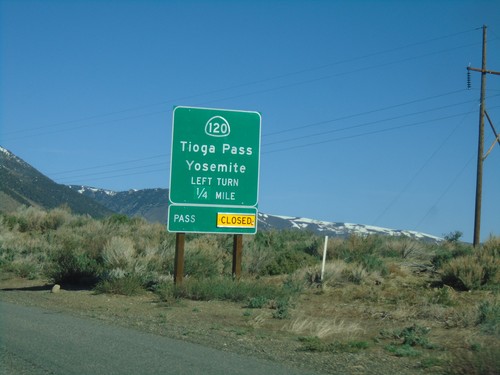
x: 480, y: 148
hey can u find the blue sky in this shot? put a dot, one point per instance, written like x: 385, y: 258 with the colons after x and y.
x: 366, y: 117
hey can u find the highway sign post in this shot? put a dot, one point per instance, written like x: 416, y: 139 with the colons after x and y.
x: 214, y: 172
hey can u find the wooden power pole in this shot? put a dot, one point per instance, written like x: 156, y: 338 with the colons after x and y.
x: 480, y: 149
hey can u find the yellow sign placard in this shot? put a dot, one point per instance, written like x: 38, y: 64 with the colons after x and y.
x: 231, y: 220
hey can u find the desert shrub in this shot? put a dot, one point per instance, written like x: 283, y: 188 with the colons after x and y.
x: 34, y: 219
x: 127, y: 285
x: 482, y: 361
x: 450, y: 249
x: 118, y: 219
x: 443, y: 296
x: 480, y: 270
x: 364, y: 251
x: 355, y: 274
x: 286, y: 262
x: 90, y: 237
x: 281, y: 252
x: 206, y: 256
x: 463, y: 273
x: 56, y: 218
x: 453, y: 237
x: 489, y: 317
x: 27, y: 268
x: 404, y: 248
x: 24, y: 254
x: 333, y: 273
x: 257, y: 302
x: 73, y: 266
x: 118, y: 253
x: 281, y: 308
x: 315, y: 344
x: 221, y: 288
x: 405, y: 340
x: 492, y: 247
x: 446, y: 253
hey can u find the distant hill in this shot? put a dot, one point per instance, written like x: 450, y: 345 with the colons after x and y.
x: 333, y: 229
x: 21, y: 184
x: 151, y: 204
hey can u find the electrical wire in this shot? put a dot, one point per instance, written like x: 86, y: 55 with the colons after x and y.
x: 348, y: 117
x: 420, y: 170
x: 443, y: 194
x: 232, y: 87
x: 425, y: 122
x: 364, y: 124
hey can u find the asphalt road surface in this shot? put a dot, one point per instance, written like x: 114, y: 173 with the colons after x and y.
x: 37, y: 341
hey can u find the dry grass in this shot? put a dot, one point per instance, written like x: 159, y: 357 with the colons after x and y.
x: 324, y: 328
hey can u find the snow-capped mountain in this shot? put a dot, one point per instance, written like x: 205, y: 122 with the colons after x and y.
x: 333, y: 229
x: 152, y: 204
x: 21, y: 184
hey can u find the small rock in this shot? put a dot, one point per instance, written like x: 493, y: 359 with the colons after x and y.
x: 56, y: 288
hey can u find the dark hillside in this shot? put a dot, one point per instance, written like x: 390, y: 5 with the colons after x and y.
x: 21, y: 184
x: 151, y: 204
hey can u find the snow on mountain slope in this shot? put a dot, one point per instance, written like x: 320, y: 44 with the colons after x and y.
x: 152, y: 204
x: 333, y: 229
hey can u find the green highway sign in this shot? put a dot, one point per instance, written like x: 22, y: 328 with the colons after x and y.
x: 215, y: 157
x: 212, y: 219
x: 215, y: 163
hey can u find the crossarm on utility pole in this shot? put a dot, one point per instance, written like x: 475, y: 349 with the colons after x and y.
x: 497, y: 136
x: 492, y: 127
x: 483, y: 70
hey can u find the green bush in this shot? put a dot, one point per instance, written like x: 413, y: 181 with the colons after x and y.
x: 281, y: 252
x: 286, y: 262
x: 485, y: 361
x: 489, y: 317
x: 480, y: 270
x: 257, y: 302
x: 365, y: 251
x: 128, y: 285
x: 73, y: 266
x: 445, y: 254
x: 282, y: 312
x: 222, y: 289
x: 407, y: 339
x: 315, y: 344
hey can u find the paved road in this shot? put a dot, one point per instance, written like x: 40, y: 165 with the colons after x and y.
x: 37, y: 341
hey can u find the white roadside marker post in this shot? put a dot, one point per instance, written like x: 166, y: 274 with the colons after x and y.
x: 324, y: 258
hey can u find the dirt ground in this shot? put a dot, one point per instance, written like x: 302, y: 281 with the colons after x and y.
x: 254, y: 332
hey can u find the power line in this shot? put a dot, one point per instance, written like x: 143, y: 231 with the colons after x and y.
x: 446, y: 190
x: 115, y: 170
x: 365, y: 124
x: 110, y: 165
x: 289, y: 140
x: 333, y: 75
x: 424, y: 165
x: 128, y: 174
x: 219, y: 99
x: 367, y: 133
x: 348, y: 117
x: 293, y: 129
